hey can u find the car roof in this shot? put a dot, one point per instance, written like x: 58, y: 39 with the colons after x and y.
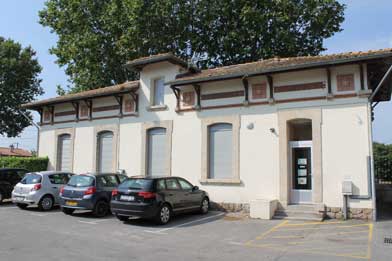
x: 154, y: 177
x: 50, y: 172
x: 99, y: 174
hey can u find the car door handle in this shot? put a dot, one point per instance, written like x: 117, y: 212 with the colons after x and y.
x: 170, y: 194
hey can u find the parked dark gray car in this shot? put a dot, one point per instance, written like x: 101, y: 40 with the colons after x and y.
x: 89, y: 192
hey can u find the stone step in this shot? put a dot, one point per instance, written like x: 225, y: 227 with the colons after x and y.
x: 299, y: 212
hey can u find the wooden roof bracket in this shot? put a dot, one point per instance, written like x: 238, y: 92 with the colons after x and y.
x: 329, y: 83
x: 197, y: 89
x: 51, y: 115
x: 75, y: 105
x: 119, y: 99
x: 245, y: 83
x: 89, y: 104
x: 271, y: 89
x: 135, y: 98
x: 177, y: 93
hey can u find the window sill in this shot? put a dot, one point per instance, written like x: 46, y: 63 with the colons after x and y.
x: 157, y: 108
x: 220, y: 181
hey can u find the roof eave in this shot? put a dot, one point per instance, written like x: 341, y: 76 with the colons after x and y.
x: 39, y: 104
x: 314, y: 65
x: 168, y: 58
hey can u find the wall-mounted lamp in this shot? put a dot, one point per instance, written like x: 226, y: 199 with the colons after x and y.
x: 250, y: 126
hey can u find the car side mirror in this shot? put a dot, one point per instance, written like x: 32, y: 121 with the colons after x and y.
x: 195, y: 188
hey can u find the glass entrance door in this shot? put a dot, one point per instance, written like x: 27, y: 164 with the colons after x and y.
x: 301, y: 169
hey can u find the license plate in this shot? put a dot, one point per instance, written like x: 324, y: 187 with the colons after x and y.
x: 127, y: 198
x: 71, y: 203
x: 19, y: 198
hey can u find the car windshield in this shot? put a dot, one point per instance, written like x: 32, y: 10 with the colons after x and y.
x: 138, y: 184
x: 81, y: 181
x: 31, y: 178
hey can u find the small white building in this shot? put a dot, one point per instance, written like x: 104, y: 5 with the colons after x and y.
x: 285, y: 130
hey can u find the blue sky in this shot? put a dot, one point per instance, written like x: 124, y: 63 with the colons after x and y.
x: 367, y: 26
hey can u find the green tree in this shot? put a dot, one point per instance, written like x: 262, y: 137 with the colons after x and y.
x: 96, y: 37
x: 19, y: 83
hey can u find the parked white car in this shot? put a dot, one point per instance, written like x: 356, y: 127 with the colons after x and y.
x: 40, y: 189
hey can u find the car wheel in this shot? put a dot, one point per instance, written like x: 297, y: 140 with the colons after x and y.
x: 21, y: 206
x: 101, y: 209
x: 204, y: 206
x: 46, y: 203
x: 68, y: 211
x: 122, y: 218
x: 164, y: 214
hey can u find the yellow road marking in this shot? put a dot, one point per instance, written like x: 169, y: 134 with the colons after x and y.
x: 351, y: 232
x: 370, y: 237
x: 267, y: 232
x: 321, y: 228
x: 279, y: 248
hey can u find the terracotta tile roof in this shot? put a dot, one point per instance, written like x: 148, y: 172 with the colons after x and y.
x: 278, y: 65
x: 170, y: 57
x: 14, y: 152
x: 100, y: 92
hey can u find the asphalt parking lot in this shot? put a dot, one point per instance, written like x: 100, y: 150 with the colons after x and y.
x: 34, y: 235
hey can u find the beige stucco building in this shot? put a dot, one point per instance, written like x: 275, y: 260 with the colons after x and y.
x: 287, y: 131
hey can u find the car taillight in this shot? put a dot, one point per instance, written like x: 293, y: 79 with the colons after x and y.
x: 146, y: 194
x: 90, y: 191
x: 114, y: 192
x: 36, y: 187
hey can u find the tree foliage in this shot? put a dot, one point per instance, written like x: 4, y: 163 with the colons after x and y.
x: 19, y: 83
x: 383, y: 161
x: 96, y: 37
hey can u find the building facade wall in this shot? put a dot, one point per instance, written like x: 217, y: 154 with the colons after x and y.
x: 344, y: 132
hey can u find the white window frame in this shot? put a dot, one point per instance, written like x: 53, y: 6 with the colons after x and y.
x: 153, y: 90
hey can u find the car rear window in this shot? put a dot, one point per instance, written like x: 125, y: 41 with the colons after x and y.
x: 138, y: 184
x: 31, y: 178
x: 81, y: 181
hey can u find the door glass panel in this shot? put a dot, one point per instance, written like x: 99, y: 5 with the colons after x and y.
x: 185, y: 185
x: 172, y: 184
x: 302, y: 169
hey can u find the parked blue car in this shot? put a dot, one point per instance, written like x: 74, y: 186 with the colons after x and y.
x: 89, y: 192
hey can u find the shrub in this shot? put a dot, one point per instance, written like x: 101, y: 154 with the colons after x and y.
x: 30, y: 164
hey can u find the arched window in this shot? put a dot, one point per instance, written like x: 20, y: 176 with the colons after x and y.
x: 220, y: 151
x: 105, y: 151
x: 64, y: 153
x: 156, y: 152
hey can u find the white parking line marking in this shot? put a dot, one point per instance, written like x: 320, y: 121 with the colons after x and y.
x: 88, y: 222
x: 7, y: 207
x: 96, y: 222
x: 184, y: 224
